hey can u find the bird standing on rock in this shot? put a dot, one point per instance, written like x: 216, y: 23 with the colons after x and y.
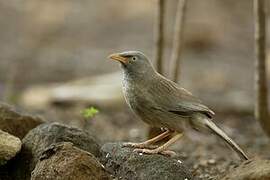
x: 162, y: 103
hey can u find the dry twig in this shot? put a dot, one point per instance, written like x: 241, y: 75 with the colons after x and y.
x: 177, y: 40
x: 261, y: 105
x: 159, y: 48
x: 159, y: 35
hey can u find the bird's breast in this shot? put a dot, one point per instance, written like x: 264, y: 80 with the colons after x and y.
x: 141, y: 104
x: 135, y: 97
x: 132, y: 95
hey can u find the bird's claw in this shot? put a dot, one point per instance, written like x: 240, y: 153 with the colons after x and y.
x: 163, y: 129
x: 139, y: 145
x: 156, y: 151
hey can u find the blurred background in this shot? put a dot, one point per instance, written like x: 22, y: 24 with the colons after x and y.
x: 53, y: 62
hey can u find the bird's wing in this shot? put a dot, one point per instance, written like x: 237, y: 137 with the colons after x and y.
x: 187, y: 108
x: 182, y: 102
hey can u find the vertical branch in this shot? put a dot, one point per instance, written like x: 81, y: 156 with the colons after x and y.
x: 177, y: 40
x: 261, y: 106
x: 159, y: 42
x: 159, y: 36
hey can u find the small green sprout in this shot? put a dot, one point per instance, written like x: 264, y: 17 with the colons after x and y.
x: 90, y: 112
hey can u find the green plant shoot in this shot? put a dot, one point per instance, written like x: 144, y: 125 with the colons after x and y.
x: 90, y: 112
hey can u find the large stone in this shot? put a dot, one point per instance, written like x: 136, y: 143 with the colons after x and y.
x: 126, y: 164
x: 4, y: 173
x: 64, y: 161
x: 9, y: 147
x: 41, y: 137
x: 17, y: 123
x: 254, y: 169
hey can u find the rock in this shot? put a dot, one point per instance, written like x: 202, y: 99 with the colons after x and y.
x: 4, y: 173
x: 126, y: 164
x: 9, y: 147
x: 41, y: 137
x: 254, y: 169
x: 16, y: 123
x: 63, y: 161
x: 44, y: 135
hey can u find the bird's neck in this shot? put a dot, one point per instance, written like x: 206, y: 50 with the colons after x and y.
x: 141, y: 77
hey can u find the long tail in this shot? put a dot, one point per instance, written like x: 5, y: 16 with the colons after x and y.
x: 226, y: 138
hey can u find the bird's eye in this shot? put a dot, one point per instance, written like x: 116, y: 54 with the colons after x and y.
x: 134, y: 58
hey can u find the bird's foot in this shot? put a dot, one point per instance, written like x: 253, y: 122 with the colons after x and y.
x: 156, y: 151
x: 139, y: 145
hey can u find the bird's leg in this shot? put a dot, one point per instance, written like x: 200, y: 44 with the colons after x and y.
x: 161, y: 149
x: 148, y: 143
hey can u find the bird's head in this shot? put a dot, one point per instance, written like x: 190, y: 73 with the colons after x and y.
x: 134, y: 63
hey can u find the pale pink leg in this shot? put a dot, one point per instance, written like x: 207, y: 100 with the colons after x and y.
x: 148, y: 143
x: 161, y: 149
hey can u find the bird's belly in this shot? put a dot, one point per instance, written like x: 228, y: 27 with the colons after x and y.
x: 160, y: 119
x: 143, y: 107
x: 169, y: 121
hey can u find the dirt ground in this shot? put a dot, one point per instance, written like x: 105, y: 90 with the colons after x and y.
x: 205, y: 155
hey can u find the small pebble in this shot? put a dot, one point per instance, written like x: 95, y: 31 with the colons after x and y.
x: 179, y: 161
x: 195, y: 166
x: 203, y: 163
x: 212, y: 161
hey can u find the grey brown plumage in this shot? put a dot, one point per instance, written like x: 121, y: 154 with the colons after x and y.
x: 161, y: 102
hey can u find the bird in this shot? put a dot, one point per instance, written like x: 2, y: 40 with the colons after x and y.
x: 162, y: 103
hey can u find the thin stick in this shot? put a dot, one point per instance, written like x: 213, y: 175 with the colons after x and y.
x: 177, y: 40
x: 159, y: 35
x: 159, y: 49
x: 261, y: 106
